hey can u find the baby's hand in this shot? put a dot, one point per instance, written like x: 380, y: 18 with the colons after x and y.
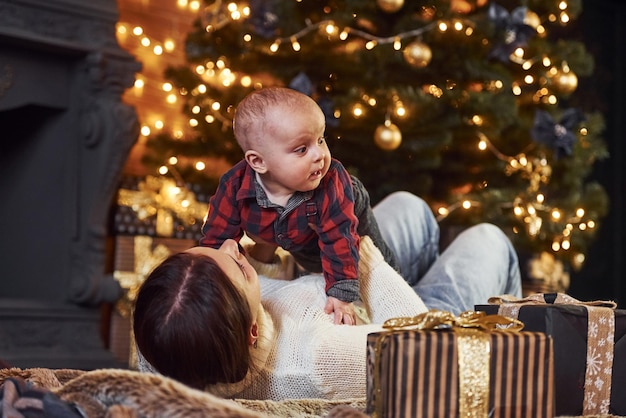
x: 344, y: 311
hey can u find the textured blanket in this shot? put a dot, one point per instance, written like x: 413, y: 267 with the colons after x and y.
x: 113, y: 393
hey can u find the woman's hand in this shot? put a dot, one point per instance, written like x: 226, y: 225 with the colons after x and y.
x: 344, y: 311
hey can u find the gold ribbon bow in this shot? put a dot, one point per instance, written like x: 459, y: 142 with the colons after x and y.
x: 436, y: 319
x: 600, y: 343
x: 473, y: 347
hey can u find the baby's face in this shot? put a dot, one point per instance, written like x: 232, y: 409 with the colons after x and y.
x: 294, y: 148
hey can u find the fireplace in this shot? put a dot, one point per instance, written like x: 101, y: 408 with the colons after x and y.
x: 64, y: 138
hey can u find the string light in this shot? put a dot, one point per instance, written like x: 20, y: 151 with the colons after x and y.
x: 221, y: 13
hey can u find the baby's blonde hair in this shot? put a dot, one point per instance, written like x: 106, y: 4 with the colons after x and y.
x: 250, y: 121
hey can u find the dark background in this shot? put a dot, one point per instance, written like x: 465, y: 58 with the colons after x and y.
x: 600, y: 26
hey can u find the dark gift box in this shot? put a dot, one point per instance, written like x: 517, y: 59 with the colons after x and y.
x: 589, y: 348
x: 449, y: 369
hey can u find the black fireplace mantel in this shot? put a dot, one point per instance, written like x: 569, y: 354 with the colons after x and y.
x: 65, y: 135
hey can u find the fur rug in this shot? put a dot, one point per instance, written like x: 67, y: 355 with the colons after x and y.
x: 112, y: 393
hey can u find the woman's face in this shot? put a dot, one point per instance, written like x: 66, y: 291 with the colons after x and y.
x: 237, y: 268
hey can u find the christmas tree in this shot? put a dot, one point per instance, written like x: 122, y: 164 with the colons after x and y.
x: 466, y: 103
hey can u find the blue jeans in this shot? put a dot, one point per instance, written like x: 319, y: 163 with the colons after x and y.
x: 481, y: 262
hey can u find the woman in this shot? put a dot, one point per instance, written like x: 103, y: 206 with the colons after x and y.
x: 206, y: 318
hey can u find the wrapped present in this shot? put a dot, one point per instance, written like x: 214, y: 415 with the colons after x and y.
x: 474, y: 365
x: 589, y: 348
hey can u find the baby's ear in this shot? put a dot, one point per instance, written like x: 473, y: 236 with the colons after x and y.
x: 256, y: 161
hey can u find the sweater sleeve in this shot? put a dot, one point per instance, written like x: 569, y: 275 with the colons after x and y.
x: 384, y: 292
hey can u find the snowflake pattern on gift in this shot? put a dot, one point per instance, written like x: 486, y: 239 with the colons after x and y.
x: 598, y: 374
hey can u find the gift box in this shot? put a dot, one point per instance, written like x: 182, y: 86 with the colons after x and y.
x: 455, y: 367
x: 589, y: 348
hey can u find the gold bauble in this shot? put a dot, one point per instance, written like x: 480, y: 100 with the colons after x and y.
x: 390, y: 6
x: 564, y: 82
x: 532, y: 19
x: 417, y: 54
x: 388, y: 136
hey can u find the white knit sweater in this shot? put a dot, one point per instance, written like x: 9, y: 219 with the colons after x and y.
x: 301, y: 353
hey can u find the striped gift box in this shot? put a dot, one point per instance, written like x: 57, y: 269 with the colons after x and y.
x: 433, y: 373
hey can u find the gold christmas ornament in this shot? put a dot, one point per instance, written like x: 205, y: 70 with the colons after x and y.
x: 565, y: 82
x: 388, y: 136
x: 417, y: 54
x: 390, y: 6
x: 532, y: 19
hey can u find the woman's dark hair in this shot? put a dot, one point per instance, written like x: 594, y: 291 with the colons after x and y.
x: 191, y: 323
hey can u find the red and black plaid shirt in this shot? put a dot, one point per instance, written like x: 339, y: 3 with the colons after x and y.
x: 319, y: 223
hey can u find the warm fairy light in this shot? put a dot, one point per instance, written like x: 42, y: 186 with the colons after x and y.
x: 518, y: 211
x: 246, y: 81
x: 580, y: 212
x: 466, y: 204
x: 195, y: 110
x: 565, y: 244
x: 158, y: 50
x: 519, y: 52
x: 137, y: 31
x: 552, y: 99
x: 163, y: 170
x: 344, y: 35
x: 167, y: 86
x: 517, y: 90
x: 546, y: 62
x: 443, y: 211
x: 247, y: 37
x: 158, y: 124
x: 295, y: 44
x: 357, y: 110
x: 556, y: 215
x: 477, y: 120
x: 443, y: 26
x: 331, y: 29
x: 591, y: 224
x: 529, y: 79
x: 171, y: 98
x: 370, y: 45
x: 397, y: 44
x: 169, y: 45
x: 145, y: 41
x: 482, y: 145
x: 173, y: 160
x: 556, y: 246
x: 563, y: 5
x: 145, y: 130
x: 458, y: 26
x: 540, y: 198
x: 274, y: 46
x: 209, y: 118
x: 582, y: 227
x: 216, y: 106
x: 139, y: 83
x: 200, y: 165
x: 564, y: 17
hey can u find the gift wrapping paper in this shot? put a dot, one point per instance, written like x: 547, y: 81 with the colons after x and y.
x: 589, y: 348
x: 459, y: 373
